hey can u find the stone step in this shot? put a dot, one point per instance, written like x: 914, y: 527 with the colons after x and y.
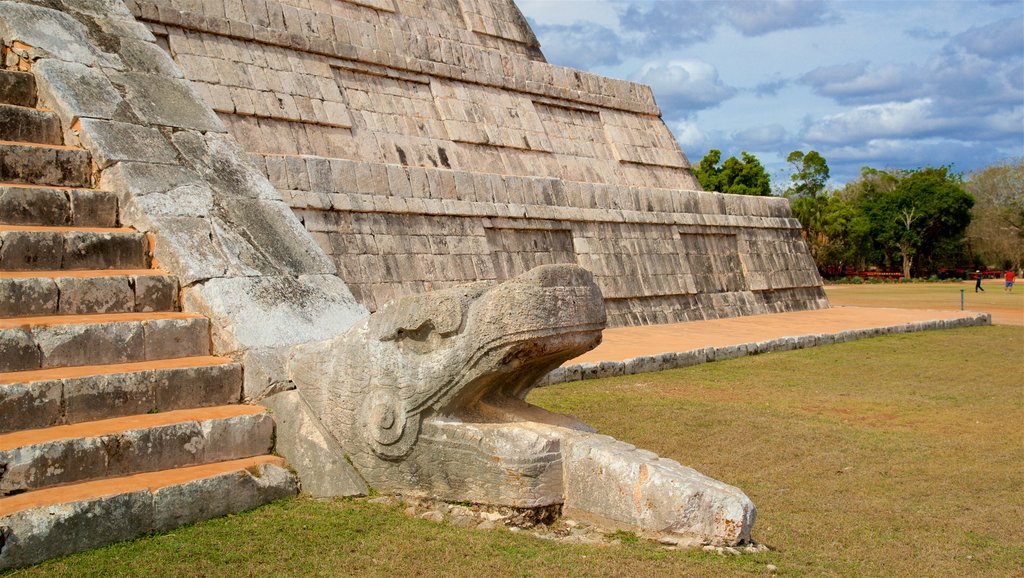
x: 68, y: 395
x: 36, y: 293
x: 66, y: 454
x: 57, y: 521
x: 18, y: 88
x: 24, y: 124
x: 37, y: 164
x: 34, y: 248
x: 30, y: 343
x: 56, y: 206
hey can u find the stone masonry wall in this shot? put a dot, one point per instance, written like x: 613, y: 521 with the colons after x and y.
x: 427, y: 143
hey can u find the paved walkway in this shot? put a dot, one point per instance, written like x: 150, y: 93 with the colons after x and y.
x: 621, y: 343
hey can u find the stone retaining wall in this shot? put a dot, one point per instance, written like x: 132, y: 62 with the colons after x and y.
x: 679, y: 359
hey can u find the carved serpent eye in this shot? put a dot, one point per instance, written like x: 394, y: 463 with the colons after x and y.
x: 387, y: 426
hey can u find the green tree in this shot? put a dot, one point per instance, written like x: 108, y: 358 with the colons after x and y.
x: 997, y: 227
x: 734, y: 176
x: 922, y: 216
x: 809, y: 176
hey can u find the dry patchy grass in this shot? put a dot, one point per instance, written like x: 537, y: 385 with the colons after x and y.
x: 1006, y: 308
x: 895, y: 456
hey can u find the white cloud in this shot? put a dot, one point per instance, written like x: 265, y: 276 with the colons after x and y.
x: 684, y: 87
x: 862, y: 81
x: 690, y: 136
x: 759, y: 17
x: 583, y: 45
x: 875, y: 121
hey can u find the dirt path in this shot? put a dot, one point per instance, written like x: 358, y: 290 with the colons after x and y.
x: 622, y: 343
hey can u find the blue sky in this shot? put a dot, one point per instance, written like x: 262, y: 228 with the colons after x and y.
x: 886, y: 84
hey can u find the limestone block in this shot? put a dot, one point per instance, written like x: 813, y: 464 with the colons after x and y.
x: 37, y: 534
x: 89, y: 250
x: 111, y: 142
x: 196, y: 386
x: 144, y: 56
x: 661, y: 496
x: 238, y: 437
x: 74, y: 91
x: 191, y: 249
x: 50, y: 33
x: 276, y: 237
x: 223, y: 165
x: 141, y: 178
x: 30, y: 405
x: 270, y: 312
x: 313, y: 453
x: 25, y: 297
x: 216, y: 496
x: 89, y: 344
x: 158, y: 99
x: 155, y: 292
x: 30, y: 250
x: 18, y: 351
x: 93, y: 208
x: 95, y: 295
x: 103, y: 396
x: 169, y: 338
x: 34, y: 206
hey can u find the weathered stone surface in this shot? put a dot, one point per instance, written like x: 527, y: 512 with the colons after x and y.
x: 138, y: 392
x: 273, y: 312
x: 30, y: 250
x: 111, y: 142
x: 17, y: 88
x: 18, y: 351
x: 34, y: 206
x: 132, y: 451
x: 76, y: 91
x: 155, y: 292
x: 21, y: 124
x: 36, y: 534
x: 167, y: 338
x: 95, y: 295
x: 50, y: 33
x: 30, y: 405
x: 663, y: 497
x: 89, y: 343
x: 24, y: 297
x: 313, y: 453
x: 92, y: 208
x: 40, y: 165
x: 165, y: 101
x: 91, y: 250
x: 218, y: 496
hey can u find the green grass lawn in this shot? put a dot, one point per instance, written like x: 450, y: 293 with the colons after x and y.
x: 895, y: 456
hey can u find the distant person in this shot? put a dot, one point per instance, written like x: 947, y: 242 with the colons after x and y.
x: 1010, y: 276
x: 977, y: 285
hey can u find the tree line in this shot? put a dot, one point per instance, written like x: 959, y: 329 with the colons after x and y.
x: 917, y: 222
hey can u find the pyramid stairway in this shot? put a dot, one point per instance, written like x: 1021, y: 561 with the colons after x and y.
x: 115, y: 420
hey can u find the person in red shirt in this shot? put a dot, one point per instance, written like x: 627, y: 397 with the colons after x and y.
x: 1010, y: 276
